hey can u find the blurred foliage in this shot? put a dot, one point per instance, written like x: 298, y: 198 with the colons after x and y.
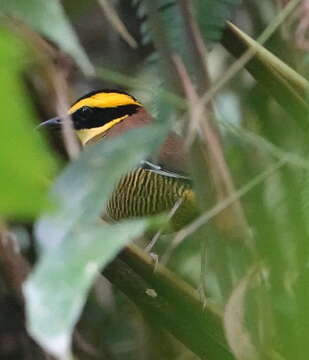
x: 259, y: 285
x: 211, y: 25
x: 49, y: 19
x: 24, y: 176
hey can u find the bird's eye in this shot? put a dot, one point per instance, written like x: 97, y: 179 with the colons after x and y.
x: 85, y: 109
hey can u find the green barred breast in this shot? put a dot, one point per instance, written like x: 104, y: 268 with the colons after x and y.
x: 144, y: 192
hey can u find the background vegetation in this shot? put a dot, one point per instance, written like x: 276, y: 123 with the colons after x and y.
x: 233, y: 284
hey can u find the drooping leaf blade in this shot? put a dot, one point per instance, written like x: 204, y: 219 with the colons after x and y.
x: 57, y: 289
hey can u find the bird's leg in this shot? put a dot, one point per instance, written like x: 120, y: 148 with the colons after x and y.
x: 153, y: 241
x: 149, y: 246
x: 155, y: 238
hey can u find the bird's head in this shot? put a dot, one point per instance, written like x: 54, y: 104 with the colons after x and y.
x: 103, y: 112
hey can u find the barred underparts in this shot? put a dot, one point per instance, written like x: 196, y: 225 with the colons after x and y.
x: 144, y: 192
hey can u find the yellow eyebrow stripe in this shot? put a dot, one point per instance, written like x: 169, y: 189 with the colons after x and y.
x: 104, y: 100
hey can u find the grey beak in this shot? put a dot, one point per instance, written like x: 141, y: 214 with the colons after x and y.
x: 54, y: 123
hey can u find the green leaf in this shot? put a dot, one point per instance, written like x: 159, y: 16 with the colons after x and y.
x: 49, y: 18
x: 56, y: 291
x: 25, y: 162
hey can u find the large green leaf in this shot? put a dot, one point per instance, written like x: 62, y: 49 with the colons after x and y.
x: 73, y: 246
x: 24, y: 160
x: 49, y: 18
x: 56, y: 291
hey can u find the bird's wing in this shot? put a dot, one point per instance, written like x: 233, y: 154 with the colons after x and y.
x: 158, y: 169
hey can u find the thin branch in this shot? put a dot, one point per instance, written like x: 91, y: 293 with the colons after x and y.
x: 218, y: 171
x: 198, y: 47
x: 61, y: 90
x: 157, y: 235
x: 116, y: 22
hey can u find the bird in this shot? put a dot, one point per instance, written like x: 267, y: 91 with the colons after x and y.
x: 157, y: 185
